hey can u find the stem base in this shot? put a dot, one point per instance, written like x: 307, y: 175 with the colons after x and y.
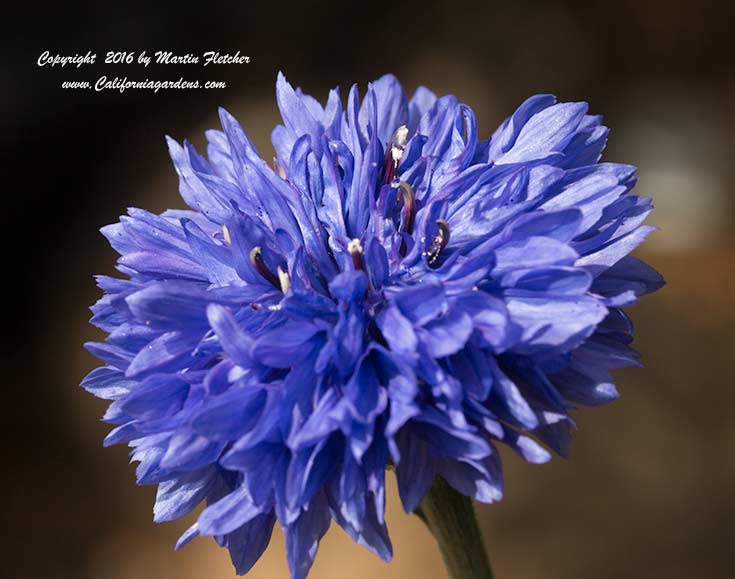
x: 450, y: 517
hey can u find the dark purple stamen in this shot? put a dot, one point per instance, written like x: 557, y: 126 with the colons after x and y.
x: 391, y: 167
x: 439, y: 242
x: 409, y: 212
x: 409, y: 206
x: 355, y: 249
x: 256, y: 258
x: 393, y: 154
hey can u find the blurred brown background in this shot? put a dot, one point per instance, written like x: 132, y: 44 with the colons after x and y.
x: 648, y: 490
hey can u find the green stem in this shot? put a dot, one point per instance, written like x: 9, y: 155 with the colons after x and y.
x: 451, y: 519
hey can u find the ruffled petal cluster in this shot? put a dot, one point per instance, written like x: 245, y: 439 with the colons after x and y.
x: 391, y: 291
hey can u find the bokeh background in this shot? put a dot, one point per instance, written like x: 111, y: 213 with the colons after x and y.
x: 648, y: 489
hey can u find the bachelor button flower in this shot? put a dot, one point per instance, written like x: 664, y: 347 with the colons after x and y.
x: 391, y: 291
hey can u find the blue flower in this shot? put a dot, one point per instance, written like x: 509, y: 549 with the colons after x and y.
x: 392, y: 291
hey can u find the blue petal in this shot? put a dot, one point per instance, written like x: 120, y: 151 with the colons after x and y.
x: 421, y: 102
x: 326, y: 417
x: 414, y: 471
x: 546, y: 132
x: 284, y: 346
x: 397, y: 330
x: 250, y: 541
x: 446, y: 439
x: 364, y: 392
x: 532, y: 252
x: 373, y: 534
x: 587, y: 384
x: 308, y: 471
x: 421, y: 303
x: 231, y: 414
x: 508, y: 402
x: 504, y: 138
x: 629, y: 273
x: 554, y: 280
x: 303, y: 536
x: 349, y: 285
x: 177, y: 497
x: 448, y: 335
x: 613, y: 252
x: 392, y: 107
x: 162, y: 266
x: 235, y: 342
x: 170, y: 305
x: 563, y: 225
x: 158, y: 395
x: 107, y: 383
x: 188, y: 451
x: 193, y: 191
x: 480, y: 480
x: 171, y: 351
x: 560, y: 323
x: 228, y: 513
x: 490, y: 318
x: 556, y: 433
x: 295, y: 113
x: 190, y: 533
